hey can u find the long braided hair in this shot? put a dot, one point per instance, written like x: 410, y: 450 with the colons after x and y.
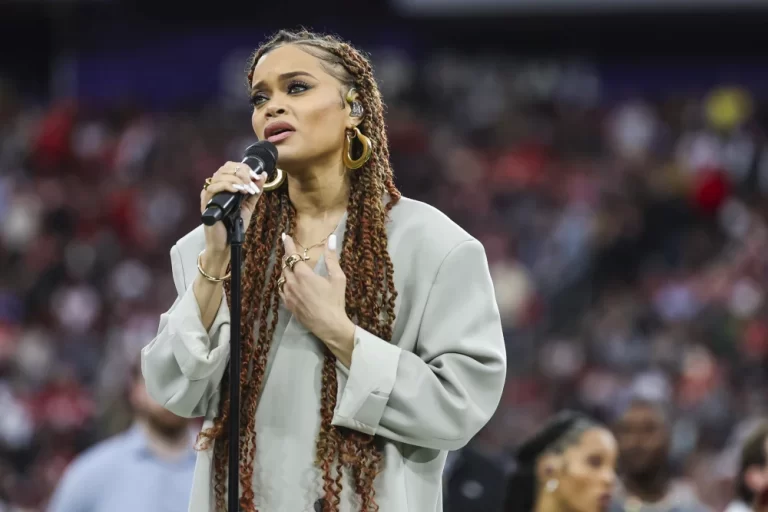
x: 370, y: 292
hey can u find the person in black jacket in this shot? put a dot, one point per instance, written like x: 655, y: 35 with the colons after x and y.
x: 474, y: 480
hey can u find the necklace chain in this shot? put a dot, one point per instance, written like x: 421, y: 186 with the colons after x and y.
x: 318, y: 244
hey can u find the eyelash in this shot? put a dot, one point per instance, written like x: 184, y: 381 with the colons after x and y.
x: 296, y: 83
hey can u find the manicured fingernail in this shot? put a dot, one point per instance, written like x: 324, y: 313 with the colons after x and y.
x: 254, y: 176
x: 252, y: 188
x: 238, y: 186
x: 263, y: 176
x: 283, y: 237
x: 332, y: 242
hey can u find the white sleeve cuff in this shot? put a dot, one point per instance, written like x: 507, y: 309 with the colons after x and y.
x: 198, y: 352
x: 372, y: 375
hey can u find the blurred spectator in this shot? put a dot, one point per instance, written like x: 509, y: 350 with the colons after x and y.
x: 147, y: 468
x: 475, y: 476
x: 753, y: 470
x: 569, y: 464
x: 643, y: 433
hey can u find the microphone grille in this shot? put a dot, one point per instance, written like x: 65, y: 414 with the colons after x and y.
x: 264, y: 150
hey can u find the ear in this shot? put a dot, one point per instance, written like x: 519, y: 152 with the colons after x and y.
x: 756, y: 479
x: 547, y: 467
x: 354, y: 108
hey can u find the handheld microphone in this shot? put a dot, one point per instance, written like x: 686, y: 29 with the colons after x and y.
x: 260, y: 157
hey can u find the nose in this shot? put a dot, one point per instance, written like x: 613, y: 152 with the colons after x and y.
x: 609, y: 477
x: 632, y: 442
x: 274, y: 110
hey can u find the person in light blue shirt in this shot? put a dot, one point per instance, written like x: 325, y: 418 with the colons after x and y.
x: 148, y: 468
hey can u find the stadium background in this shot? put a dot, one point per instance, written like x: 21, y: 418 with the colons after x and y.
x: 612, y: 160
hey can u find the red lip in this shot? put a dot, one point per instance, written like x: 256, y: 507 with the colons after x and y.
x: 604, y: 501
x: 276, y: 127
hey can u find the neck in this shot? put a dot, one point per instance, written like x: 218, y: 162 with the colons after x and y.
x: 162, y: 444
x: 649, y: 489
x: 545, y: 502
x: 317, y: 192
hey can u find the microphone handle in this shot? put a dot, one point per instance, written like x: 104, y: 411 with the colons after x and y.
x: 224, y: 204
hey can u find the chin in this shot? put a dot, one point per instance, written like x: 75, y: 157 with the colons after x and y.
x: 167, y: 422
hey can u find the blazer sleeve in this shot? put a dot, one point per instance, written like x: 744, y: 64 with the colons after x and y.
x: 184, y: 364
x: 443, y: 393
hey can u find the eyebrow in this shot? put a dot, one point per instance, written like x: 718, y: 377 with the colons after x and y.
x: 283, y: 78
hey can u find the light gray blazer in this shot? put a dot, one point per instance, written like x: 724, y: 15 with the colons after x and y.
x: 428, y: 391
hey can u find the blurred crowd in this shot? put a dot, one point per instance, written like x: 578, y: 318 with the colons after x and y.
x: 627, y: 240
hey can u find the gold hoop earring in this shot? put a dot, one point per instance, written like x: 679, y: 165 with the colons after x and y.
x: 350, y: 162
x: 276, y: 182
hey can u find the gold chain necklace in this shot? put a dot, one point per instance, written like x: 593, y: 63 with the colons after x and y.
x: 318, y: 244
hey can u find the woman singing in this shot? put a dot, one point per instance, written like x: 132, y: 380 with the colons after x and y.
x: 568, y: 466
x: 372, y: 341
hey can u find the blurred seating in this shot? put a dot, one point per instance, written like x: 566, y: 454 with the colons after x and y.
x: 627, y: 240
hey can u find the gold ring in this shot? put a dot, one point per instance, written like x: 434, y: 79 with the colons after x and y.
x: 292, y: 260
x: 207, y: 183
x: 281, y: 283
x: 237, y: 169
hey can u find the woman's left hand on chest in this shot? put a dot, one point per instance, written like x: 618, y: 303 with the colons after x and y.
x: 318, y: 301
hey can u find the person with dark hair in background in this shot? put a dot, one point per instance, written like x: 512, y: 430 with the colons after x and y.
x: 643, y: 432
x: 147, y: 468
x: 371, y: 337
x: 568, y: 466
x: 752, y: 479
